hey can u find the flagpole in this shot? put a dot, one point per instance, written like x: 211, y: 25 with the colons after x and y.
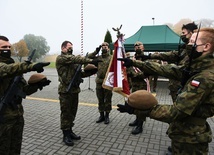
x: 116, y: 77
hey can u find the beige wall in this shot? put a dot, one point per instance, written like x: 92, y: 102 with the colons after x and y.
x: 50, y: 58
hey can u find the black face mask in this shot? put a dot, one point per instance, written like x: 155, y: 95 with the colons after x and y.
x: 5, y: 53
x: 70, y: 50
x: 184, y: 39
x: 192, y: 51
x: 138, y: 51
x: 104, y: 51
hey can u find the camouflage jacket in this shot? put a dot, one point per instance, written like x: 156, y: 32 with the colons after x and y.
x: 187, y: 116
x: 172, y: 57
x: 7, y: 74
x: 102, y: 66
x: 66, y: 65
x: 176, y: 58
x: 136, y: 77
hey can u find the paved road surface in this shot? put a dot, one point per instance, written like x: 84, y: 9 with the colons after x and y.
x: 42, y: 134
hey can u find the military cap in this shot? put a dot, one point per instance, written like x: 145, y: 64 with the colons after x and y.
x: 142, y: 100
x: 90, y: 67
x: 105, y: 44
x: 37, y: 77
x: 138, y: 43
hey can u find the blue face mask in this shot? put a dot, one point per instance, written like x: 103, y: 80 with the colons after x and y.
x: 5, y: 53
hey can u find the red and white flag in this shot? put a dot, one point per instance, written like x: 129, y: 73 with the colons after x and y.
x: 116, y: 77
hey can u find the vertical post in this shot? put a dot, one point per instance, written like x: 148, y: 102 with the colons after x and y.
x: 82, y: 39
x: 153, y: 21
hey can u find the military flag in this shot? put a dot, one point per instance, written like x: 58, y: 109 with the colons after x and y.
x: 116, y: 77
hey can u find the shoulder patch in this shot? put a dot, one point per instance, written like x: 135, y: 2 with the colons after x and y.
x: 195, y: 83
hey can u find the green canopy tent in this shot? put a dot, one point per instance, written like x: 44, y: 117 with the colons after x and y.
x: 154, y: 38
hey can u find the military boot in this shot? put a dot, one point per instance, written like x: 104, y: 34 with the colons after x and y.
x: 106, y: 118
x: 169, y: 150
x: 101, y: 118
x: 138, y: 129
x: 67, y: 138
x: 74, y: 136
x: 133, y: 123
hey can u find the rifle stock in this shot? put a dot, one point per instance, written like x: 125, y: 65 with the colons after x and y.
x: 76, y: 80
x: 13, y: 91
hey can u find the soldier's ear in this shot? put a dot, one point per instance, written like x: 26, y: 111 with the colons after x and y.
x: 207, y: 47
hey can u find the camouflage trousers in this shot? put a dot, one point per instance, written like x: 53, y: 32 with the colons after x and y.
x: 104, y: 97
x: 188, y: 148
x: 68, y: 107
x: 11, y: 131
x: 153, y: 82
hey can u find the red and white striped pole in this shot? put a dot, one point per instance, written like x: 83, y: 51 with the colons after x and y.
x: 82, y: 47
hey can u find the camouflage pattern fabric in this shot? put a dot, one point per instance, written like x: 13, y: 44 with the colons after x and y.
x: 9, y: 70
x: 176, y: 58
x: 174, y: 88
x: 66, y: 65
x: 185, y: 123
x: 137, y: 76
x: 187, y: 149
x: 137, y: 81
x: 12, y: 121
x: 11, y: 131
x: 68, y: 107
x: 104, y: 96
x: 154, y: 78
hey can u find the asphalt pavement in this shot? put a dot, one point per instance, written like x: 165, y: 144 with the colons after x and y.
x: 42, y: 134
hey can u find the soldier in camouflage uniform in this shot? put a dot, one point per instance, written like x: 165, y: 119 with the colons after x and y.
x: 66, y: 65
x: 104, y: 96
x: 137, y: 80
x: 187, y: 117
x: 176, y: 57
x: 11, y: 119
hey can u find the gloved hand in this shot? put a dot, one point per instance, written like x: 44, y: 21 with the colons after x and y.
x: 95, y: 61
x: 125, y: 108
x: 39, y: 66
x: 98, y: 49
x: 43, y: 83
x: 92, y: 71
x: 127, y: 62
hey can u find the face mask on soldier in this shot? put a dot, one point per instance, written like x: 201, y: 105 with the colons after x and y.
x: 192, y: 51
x: 5, y: 53
x: 70, y: 50
x: 104, y: 51
x: 138, y: 51
x: 184, y: 39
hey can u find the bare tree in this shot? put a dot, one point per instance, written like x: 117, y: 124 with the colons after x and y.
x: 206, y: 22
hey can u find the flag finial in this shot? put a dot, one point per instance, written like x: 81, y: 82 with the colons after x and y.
x: 119, y: 35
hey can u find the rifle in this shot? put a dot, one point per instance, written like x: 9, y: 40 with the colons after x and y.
x: 14, y: 91
x: 179, y: 51
x: 187, y: 73
x: 76, y: 80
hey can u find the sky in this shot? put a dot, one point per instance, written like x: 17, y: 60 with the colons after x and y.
x: 60, y: 20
